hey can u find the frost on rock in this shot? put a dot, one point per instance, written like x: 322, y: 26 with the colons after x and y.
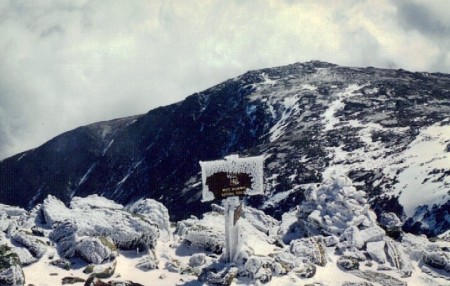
x: 148, y: 262
x: 258, y: 269
x: 204, y: 238
x: 260, y: 220
x: 95, y: 250
x: 198, y: 259
x: 234, y: 165
x: 155, y: 212
x: 309, y: 250
x: 94, y: 202
x: 10, y: 271
x: 376, y: 251
x: 128, y: 231
x: 199, y: 235
x: 36, y: 247
x: 65, y: 236
x: 24, y: 255
x: 335, y: 206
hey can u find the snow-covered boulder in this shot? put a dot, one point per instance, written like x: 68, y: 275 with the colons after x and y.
x: 105, y: 270
x: 309, y: 249
x: 437, y: 259
x: 397, y: 257
x: 335, y: 206
x: 204, y: 238
x: 11, y: 272
x: 305, y: 270
x: 148, y: 262
x: 286, y: 260
x: 36, y: 247
x: 61, y: 263
x: 376, y: 251
x: 128, y: 231
x: 351, y: 237
x: 196, y: 260
x: 25, y: 257
x: 65, y: 236
x: 155, y: 212
x: 218, y: 276
x: 13, y: 211
x: 348, y: 263
x: 199, y: 235
x: 96, y: 249
x: 260, y: 220
x: 94, y: 202
x: 258, y: 269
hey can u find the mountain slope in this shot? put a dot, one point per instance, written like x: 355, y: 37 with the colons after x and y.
x: 388, y: 130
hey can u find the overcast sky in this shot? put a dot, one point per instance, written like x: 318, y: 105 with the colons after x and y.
x: 67, y: 63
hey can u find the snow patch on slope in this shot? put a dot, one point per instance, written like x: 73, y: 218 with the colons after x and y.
x: 425, y: 154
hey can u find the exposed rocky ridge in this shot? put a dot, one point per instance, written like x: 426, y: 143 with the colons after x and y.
x: 309, y: 120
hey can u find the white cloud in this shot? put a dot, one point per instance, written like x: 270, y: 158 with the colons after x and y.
x: 68, y: 63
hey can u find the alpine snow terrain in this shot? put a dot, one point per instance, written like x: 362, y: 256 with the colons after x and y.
x: 388, y: 130
x: 357, y: 172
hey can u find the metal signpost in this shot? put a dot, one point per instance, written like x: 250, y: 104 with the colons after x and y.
x: 229, y: 180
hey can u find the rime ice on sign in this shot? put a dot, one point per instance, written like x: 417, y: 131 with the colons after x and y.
x: 233, y: 176
x: 230, y: 179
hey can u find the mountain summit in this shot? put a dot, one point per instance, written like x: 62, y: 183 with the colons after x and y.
x: 387, y: 130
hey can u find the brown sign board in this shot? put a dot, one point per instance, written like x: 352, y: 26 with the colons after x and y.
x: 237, y: 214
x: 224, y: 185
x: 232, y: 177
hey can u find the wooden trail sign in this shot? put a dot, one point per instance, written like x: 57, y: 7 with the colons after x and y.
x: 229, y: 180
x: 233, y: 176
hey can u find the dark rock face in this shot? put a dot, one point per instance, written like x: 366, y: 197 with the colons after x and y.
x: 303, y: 117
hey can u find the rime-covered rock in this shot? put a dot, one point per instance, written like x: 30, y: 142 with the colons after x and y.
x: 13, y: 211
x: 309, y: 250
x: 376, y: 251
x: 348, y: 263
x: 95, y: 249
x: 287, y: 260
x: 36, y: 247
x: 65, y: 236
x: 378, y: 277
x: 102, y: 271
x: 61, y: 263
x: 334, y: 207
x: 397, y: 257
x: 24, y: 255
x: 371, y: 234
x: 305, y: 270
x: 155, y: 212
x: 204, y: 238
x: 148, y: 262
x: 260, y: 220
x: 348, y: 283
x: 351, y: 237
x: 197, y: 259
x: 258, y: 269
x: 391, y: 223
x: 11, y: 272
x: 437, y: 259
x: 128, y: 231
x: 94, y: 202
x: 218, y: 276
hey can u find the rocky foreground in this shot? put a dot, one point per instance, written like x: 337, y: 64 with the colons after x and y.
x: 333, y: 238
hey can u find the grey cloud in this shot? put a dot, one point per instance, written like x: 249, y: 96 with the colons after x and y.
x: 68, y: 63
x: 421, y: 18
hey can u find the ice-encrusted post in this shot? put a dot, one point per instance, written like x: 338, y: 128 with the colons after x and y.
x: 232, y: 234
x: 228, y: 180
